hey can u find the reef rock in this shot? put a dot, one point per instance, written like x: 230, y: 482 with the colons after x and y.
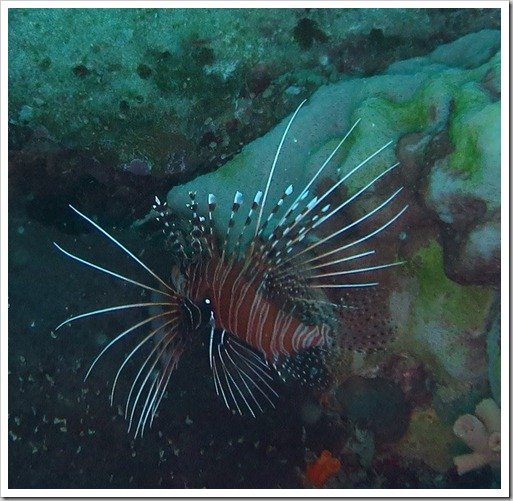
x: 474, y: 257
x: 463, y: 188
x: 427, y: 439
x: 184, y: 87
x: 442, y: 322
x: 420, y: 95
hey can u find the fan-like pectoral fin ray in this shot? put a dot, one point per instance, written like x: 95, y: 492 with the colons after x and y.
x: 218, y: 353
x: 219, y: 386
x: 140, y: 426
x: 120, y: 336
x: 246, y: 378
x: 154, y: 378
x: 229, y: 378
x: 260, y: 382
x: 137, y: 348
x: 232, y: 378
x: 123, y: 248
x: 111, y: 309
x: 166, y: 376
x: 238, y: 377
x: 151, y: 408
x: 256, y: 359
x: 150, y: 405
x: 110, y: 272
x: 159, y: 347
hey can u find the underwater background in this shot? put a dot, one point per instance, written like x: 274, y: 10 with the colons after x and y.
x: 110, y: 107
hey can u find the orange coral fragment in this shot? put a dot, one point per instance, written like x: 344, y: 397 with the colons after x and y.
x: 324, y: 467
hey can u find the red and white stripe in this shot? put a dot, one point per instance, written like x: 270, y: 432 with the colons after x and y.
x: 243, y: 310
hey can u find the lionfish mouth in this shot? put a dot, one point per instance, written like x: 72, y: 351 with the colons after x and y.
x: 259, y: 291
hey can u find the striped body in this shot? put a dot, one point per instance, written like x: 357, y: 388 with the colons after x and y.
x: 242, y: 308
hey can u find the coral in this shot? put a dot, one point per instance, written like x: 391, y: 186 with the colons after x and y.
x: 413, y: 96
x: 471, y: 173
x: 324, y: 467
x: 437, y: 292
x: 428, y: 439
x: 482, y: 433
x: 446, y: 322
x: 475, y: 257
x: 475, y: 131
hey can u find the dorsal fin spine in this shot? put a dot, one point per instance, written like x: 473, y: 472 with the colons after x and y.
x: 349, y: 226
x: 212, y: 204
x: 276, y: 208
x: 275, y: 161
x: 252, y: 209
x: 237, y: 202
x: 304, y: 193
x: 313, y: 204
x: 359, y: 240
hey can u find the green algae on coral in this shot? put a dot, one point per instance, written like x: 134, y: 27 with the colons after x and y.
x: 474, y: 116
x: 383, y: 120
x: 428, y: 439
x: 375, y: 130
x: 464, y: 305
x: 456, y: 96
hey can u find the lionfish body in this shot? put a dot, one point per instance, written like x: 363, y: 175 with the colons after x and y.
x: 241, y: 306
x: 256, y: 291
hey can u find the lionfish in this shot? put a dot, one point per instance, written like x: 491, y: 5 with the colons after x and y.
x: 256, y: 292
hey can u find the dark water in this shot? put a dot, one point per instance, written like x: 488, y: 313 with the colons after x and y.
x: 62, y: 431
